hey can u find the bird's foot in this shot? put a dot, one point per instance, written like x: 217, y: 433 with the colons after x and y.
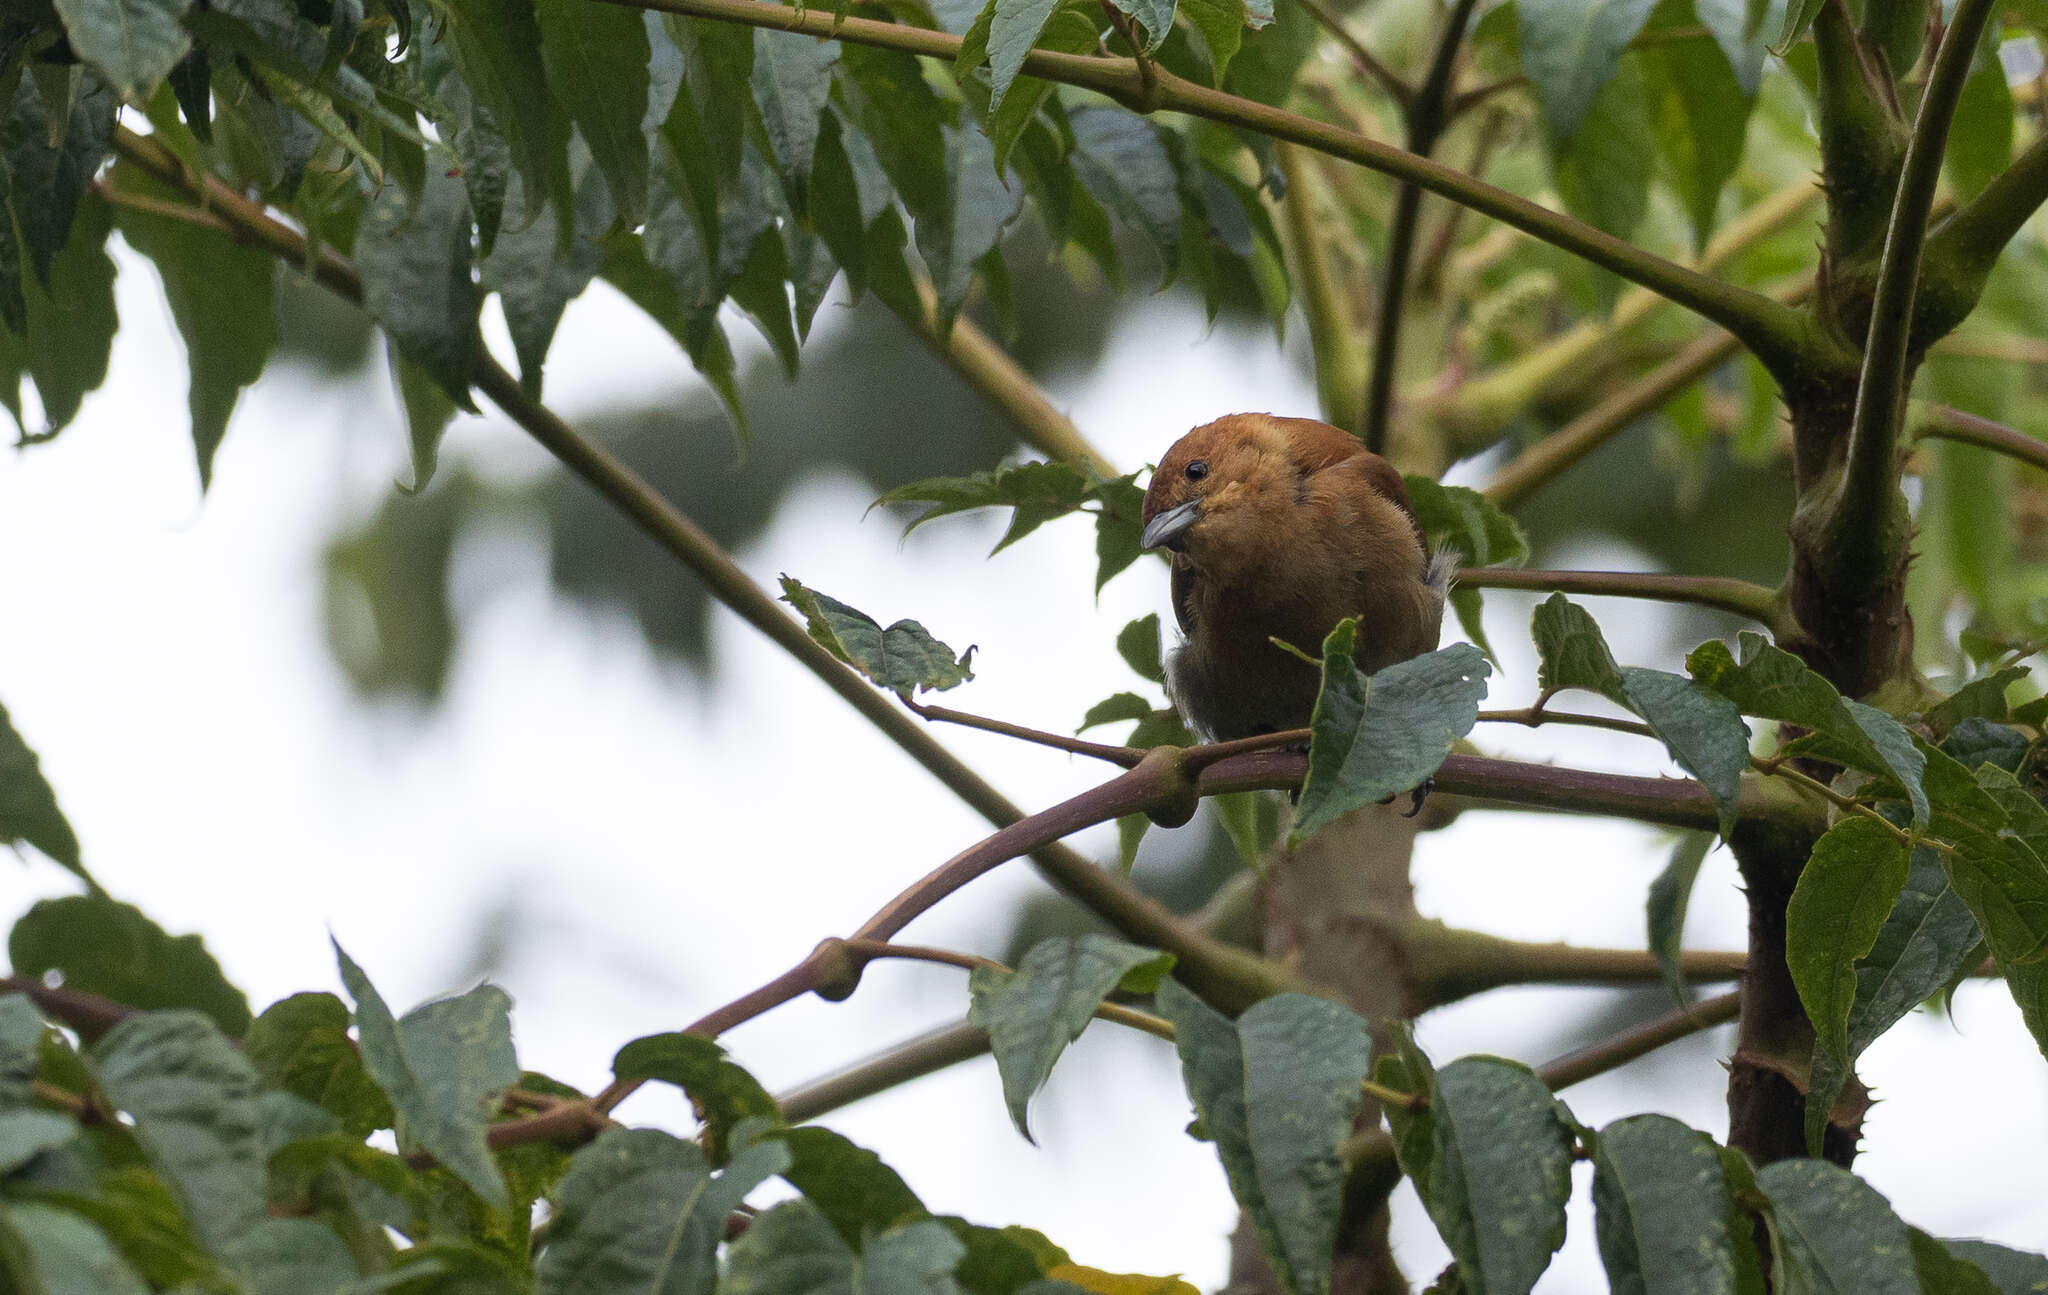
x: 1416, y: 797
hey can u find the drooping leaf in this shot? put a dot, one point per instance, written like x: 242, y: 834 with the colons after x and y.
x: 132, y: 43
x: 497, y: 47
x: 1701, y: 112
x: 1571, y: 49
x: 1377, y: 737
x: 1117, y: 528
x: 428, y: 411
x: 1035, y: 492
x: 1602, y: 168
x: 1661, y: 1210
x: 1771, y: 683
x: 1942, y: 1270
x: 44, y: 179
x: 111, y: 949
x: 596, y: 61
x: 28, y: 806
x: 1138, y: 644
x: 1665, y: 907
x: 981, y: 203
x: 721, y: 1089
x: 1980, y: 136
x: 69, y: 328
x: 1833, y: 1232
x: 1115, y: 709
x: 1467, y: 521
x: 1033, y: 1013
x: 1013, y: 29
x: 900, y: 117
x: 220, y: 295
x: 63, y: 1254
x: 444, y: 1065
x: 1743, y: 29
x: 301, y: 1045
x: 640, y: 1210
x: 904, y: 656
x: 1276, y: 1091
x: 1120, y: 160
x: 792, y: 79
x: 1501, y: 1172
x: 1252, y: 821
x: 193, y: 1100
x: 416, y: 259
x: 847, y: 1183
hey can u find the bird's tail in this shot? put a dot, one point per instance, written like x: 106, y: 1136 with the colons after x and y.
x: 1443, y: 569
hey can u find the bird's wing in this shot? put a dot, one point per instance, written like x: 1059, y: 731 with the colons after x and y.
x: 1182, y: 586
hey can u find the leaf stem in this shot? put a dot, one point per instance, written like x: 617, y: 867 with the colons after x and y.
x: 1719, y: 592
x: 1780, y: 336
x: 1126, y: 756
x: 1532, y: 717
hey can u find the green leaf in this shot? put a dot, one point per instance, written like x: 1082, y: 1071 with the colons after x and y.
x: 1220, y: 24
x: 792, y: 80
x: 1115, y: 709
x: 497, y: 46
x: 1978, y: 699
x: 28, y: 806
x: 193, y: 1100
x: 980, y: 204
x: 1252, y: 821
x: 428, y: 411
x: 1770, y: 682
x: 904, y: 657
x: 1120, y: 160
x: 1117, y: 526
x: 1130, y: 834
x: 1405, y: 1068
x: 291, y: 1257
x: 300, y: 1045
x: 416, y: 261
x: 1742, y: 28
x: 724, y: 1092
x: 26, y: 1134
x: 1665, y: 908
x: 1501, y: 1172
x: 1571, y: 652
x: 1277, y: 1092
x: 444, y: 1066
x: 2014, y: 1271
x: 1603, y: 167
x: 132, y: 43
x: 69, y: 327
x: 22, y: 1035
x: 1036, y: 492
x: 220, y: 295
x: 479, y: 146
x: 536, y: 280
x: 847, y: 1183
x: 792, y: 1250
x: 1033, y: 1013
x: 1943, y: 1272
x: 596, y: 63
x: 1844, y: 894
x: 62, y: 1254
x: 1701, y: 112
x: 1571, y: 49
x: 1014, y: 26
x: 1138, y: 644
x: 1466, y: 521
x: 1980, y: 137
x: 900, y: 117
x: 1832, y: 1232
x: 1074, y: 28
x: 1374, y: 738
x: 111, y: 949
x: 639, y: 1210
x: 43, y: 181
x: 1661, y: 1211
x: 1155, y: 16
x: 627, y: 268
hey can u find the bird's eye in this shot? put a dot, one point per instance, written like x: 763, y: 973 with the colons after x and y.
x: 1197, y: 470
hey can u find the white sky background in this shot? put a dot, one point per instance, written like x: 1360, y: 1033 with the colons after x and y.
x: 671, y: 847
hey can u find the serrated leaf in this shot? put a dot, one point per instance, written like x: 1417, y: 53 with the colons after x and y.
x: 901, y: 119
x: 1844, y: 894
x: 1120, y: 159
x: 1665, y: 907
x: 1117, y: 527
x: 497, y: 47
x: 444, y: 1066
x: 724, y: 1092
x: 1771, y: 683
x: 904, y: 656
x: 640, y: 1210
x: 69, y: 328
x: 112, y: 949
x: 45, y: 177
x: 64, y: 1254
x: 1373, y: 738
x: 980, y: 204
x: 596, y: 58
x: 1978, y: 699
x: 792, y: 79
x: 1833, y: 1232
x: 1571, y: 48
x: 1033, y: 1013
x: 300, y: 1045
x: 28, y: 806
x: 1660, y: 1204
x: 220, y: 295
x: 1501, y: 1172
x: 627, y: 268
x: 793, y: 1250
x: 1467, y: 521
x: 1277, y: 1091
x: 1013, y: 30
x: 1571, y: 652
x: 132, y: 43
x: 193, y: 1100
x: 416, y: 259
x: 1035, y: 492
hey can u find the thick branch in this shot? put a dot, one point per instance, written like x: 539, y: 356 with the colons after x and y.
x: 1719, y: 592
x: 1962, y: 249
x: 1427, y: 114
x: 1779, y: 335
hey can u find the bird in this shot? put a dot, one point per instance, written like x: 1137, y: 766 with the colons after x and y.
x: 1278, y: 528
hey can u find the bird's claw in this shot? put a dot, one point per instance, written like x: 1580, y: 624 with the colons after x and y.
x: 1419, y: 795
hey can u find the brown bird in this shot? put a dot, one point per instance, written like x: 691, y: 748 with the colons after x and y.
x: 1280, y: 528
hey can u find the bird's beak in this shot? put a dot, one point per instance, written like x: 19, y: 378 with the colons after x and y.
x: 1165, y: 530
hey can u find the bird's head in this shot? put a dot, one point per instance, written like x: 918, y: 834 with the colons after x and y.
x: 1221, y: 487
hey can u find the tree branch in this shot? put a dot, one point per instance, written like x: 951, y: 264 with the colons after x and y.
x: 1332, y: 335
x: 1427, y: 114
x: 1780, y: 336
x: 1446, y: 964
x: 1126, y: 756
x: 1864, y: 534
x: 1962, y: 249
x: 1719, y: 592
x: 1945, y: 423
x: 1397, y: 89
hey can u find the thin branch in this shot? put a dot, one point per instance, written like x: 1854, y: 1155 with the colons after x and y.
x: 1427, y: 113
x: 926, y: 1054
x: 89, y: 1014
x: 988, y: 368
x: 1616, y: 1052
x: 1719, y: 592
x: 1126, y: 756
x: 1779, y: 335
x: 1446, y: 964
x: 1397, y: 89
x: 1946, y: 423
x: 1479, y: 94
x: 1532, y: 717
x: 1865, y: 511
